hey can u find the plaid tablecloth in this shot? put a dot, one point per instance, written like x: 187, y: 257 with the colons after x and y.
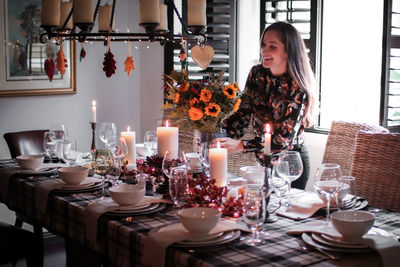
x: 120, y: 238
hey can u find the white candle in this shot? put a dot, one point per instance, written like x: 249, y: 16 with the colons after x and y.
x: 130, y: 139
x: 51, y: 12
x: 149, y: 11
x: 218, y: 165
x: 104, y: 18
x: 65, y: 9
x: 83, y: 11
x: 197, y: 13
x: 267, y: 140
x: 94, y: 117
x: 163, y: 18
x: 167, y: 139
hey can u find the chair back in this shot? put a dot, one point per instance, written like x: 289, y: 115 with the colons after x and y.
x: 376, y: 166
x: 25, y: 142
x: 341, y: 141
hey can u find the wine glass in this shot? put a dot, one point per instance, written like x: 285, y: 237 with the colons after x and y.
x: 280, y: 182
x: 172, y: 159
x: 70, y: 151
x: 295, y: 164
x: 326, y: 183
x: 102, y: 164
x: 120, y: 151
x: 107, y: 133
x: 49, y: 145
x: 58, y: 133
x: 346, y: 197
x: 150, y: 141
x: 178, y: 186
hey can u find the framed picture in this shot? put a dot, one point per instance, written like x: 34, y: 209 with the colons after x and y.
x: 23, y: 56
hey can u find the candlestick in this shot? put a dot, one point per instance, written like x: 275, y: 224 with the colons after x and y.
x: 83, y: 11
x: 93, y: 147
x: 149, y: 11
x: 130, y: 138
x: 94, y: 117
x: 267, y: 141
x: 167, y: 139
x: 197, y: 13
x: 65, y: 9
x: 51, y: 12
x: 218, y: 165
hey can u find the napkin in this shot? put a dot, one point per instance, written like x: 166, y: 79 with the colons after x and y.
x: 5, y: 175
x: 387, y: 247
x: 42, y: 193
x: 304, y: 205
x: 95, y: 209
x: 157, y: 242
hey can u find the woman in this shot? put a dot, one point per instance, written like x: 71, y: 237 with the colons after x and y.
x: 279, y: 91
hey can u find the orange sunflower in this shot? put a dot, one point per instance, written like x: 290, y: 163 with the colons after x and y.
x: 194, y: 101
x: 195, y: 114
x: 213, y: 110
x: 183, y: 87
x: 205, y: 95
x: 236, y: 105
x: 230, y: 91
x: 177, y: 97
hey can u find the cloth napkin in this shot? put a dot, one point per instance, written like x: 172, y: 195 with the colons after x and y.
x: 42, y: 193
x: 157, y: 242
x: 94, y: 210
x: 304, y: 205
x: 387, y: 247
x: 5, y: 175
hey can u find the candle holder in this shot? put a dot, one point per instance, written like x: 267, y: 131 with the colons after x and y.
x: 197, y: 29
x: 93, y: 147
x: 268, y: 172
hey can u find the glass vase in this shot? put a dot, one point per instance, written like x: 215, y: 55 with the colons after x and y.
x: 205, y: 142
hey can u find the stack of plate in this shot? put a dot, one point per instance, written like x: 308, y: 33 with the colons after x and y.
x: 89, y: 184
x: 147, y: 208
x: 331, y: 243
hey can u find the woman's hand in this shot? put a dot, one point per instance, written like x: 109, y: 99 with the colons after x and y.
x: 232, y: 145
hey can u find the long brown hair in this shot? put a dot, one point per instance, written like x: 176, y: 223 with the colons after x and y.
x: 298, y: 64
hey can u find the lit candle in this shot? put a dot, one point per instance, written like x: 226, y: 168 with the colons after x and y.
x: 149, y: 11
x: 267, y: 141
x: 51, y: 12
x: 197, y: 13
x: 65, y: 9
x: 83, y: 11
x: 218, y: 165
x: 167, y: 139
x: 130, y: 139
x: 163, y: 18
x: 94, y: 111
x: 104, y: 18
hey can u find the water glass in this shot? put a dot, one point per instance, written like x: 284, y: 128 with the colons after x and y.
x: 295, y: 165
x: 150, y: 141
x: 69, y: 151
x: 280, y: 182
x: 178, y: 185
x: 108, y: 133
x: 58, y: 134
x: 49, y: 145
x: 346, y: 197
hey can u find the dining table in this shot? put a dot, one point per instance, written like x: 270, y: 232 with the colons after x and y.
x: 121, y: 237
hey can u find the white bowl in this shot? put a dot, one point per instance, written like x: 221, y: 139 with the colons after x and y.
x: 73, y: 175
x: 30, y: 162
x: 352, y: 225
x: 199, y: 221
x: 127, y: 194
x: 194, y: 161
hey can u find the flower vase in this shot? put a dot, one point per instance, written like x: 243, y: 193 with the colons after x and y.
x: 205, y: 142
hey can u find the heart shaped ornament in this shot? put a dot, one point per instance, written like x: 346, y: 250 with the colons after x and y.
x: 202, y: 56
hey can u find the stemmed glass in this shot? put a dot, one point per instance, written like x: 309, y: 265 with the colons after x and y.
x: 326, y: 183
x: 107, y: 133
x: 120, y: 151
x: 150, y: 141
x: 172, y: 159
x: 280, y: 181
x: 102, y: 164
x: 49, y: 145
x: 58, y: 134
x: 70, y: 151
x: 178, y: 186
x: 295, y: 165
x: 346, y: 197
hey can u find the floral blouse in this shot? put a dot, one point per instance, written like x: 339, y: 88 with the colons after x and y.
x: 275, y: 100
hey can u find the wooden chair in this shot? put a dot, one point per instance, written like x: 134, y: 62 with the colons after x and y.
x: 25, y: 142
x: 376, y: 166
x: 341, y: 141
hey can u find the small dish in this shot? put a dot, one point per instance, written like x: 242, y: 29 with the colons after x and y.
x: 127, y: 194
x: 352, y: 225
x: 30, y: 162
x: 73, y: 175
x: 199, y: 220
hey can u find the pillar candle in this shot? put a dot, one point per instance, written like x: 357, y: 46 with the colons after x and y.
x: 51, y: 12
x: 218, y: 165
x: 167, y: 139
x: 267, y: 140
x: 130, y: 139
x: 83, y: 11
x: 197, y: 13
x: 104, y: 18
x: 94, y: 111
x: 163, y: 18
x: 149, y: 11
x: 65, y: 9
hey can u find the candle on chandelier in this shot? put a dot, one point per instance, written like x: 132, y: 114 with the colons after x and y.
x: 94, y: 117
x: 149, y: 11
x: 197, y: 13
x: 130, y: 139
x: 163, y: 18
x: 167, y: 139
x: 218, y: 165
x: 51, y: 12
x: 267, y: 140
x: 83, y: 11
x: 65, y: 9
x: 104, y: 18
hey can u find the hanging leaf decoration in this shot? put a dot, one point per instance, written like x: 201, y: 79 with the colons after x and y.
x: 182, y: 54
x: 82, y: 54
x: 49, y: 68
x: 109, y: 65
x: 129, y: 65
x: 61, y: 61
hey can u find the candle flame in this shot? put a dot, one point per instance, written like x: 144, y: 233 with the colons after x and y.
x: 128, y: 129
x: 166, y: 123
x: 218, y: 145
x: 94, y: 103
x: 267, y: 128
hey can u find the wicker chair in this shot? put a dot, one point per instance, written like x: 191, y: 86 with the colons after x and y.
x: 376, y: 166
x: 341, y: 141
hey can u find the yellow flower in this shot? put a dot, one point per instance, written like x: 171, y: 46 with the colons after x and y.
x: 194, y: 101
x: 213, y: 110
x: 205, y: 95
x: 183, y: 87
x: 195, y: 114
x: 236, y: 105
x: 230, y: 91
x: 177, y: 97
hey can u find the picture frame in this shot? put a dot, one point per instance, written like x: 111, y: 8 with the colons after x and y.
x: 22, y: 55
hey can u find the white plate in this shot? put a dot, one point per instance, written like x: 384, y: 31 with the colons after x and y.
x: 307, y: 238
x: 45, y: 170
x: 78, y: 189
x: 134, y: 210
x: 327, y: 240
x: 89, y: 181
x: 155, y: 207
x: 204, y: 237
x: 223, y: 239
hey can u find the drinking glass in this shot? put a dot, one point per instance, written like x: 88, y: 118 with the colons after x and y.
x: 207, y: 141
x: 102, y: 164
x: 58, y: 133
x: 280, y: 182
x: 150, y: 141
x: 119, y: 151
x: 295, y: 164
x: 326, y: 183
x: 346, y: 197
x: 49, y: 145
x: 70, y: 151
x: 107, y: 133
x: 178, y: 186
x: 172, y: 159
x: 254, y: 213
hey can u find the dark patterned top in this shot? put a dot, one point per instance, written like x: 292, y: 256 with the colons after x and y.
x: 274, y: 100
